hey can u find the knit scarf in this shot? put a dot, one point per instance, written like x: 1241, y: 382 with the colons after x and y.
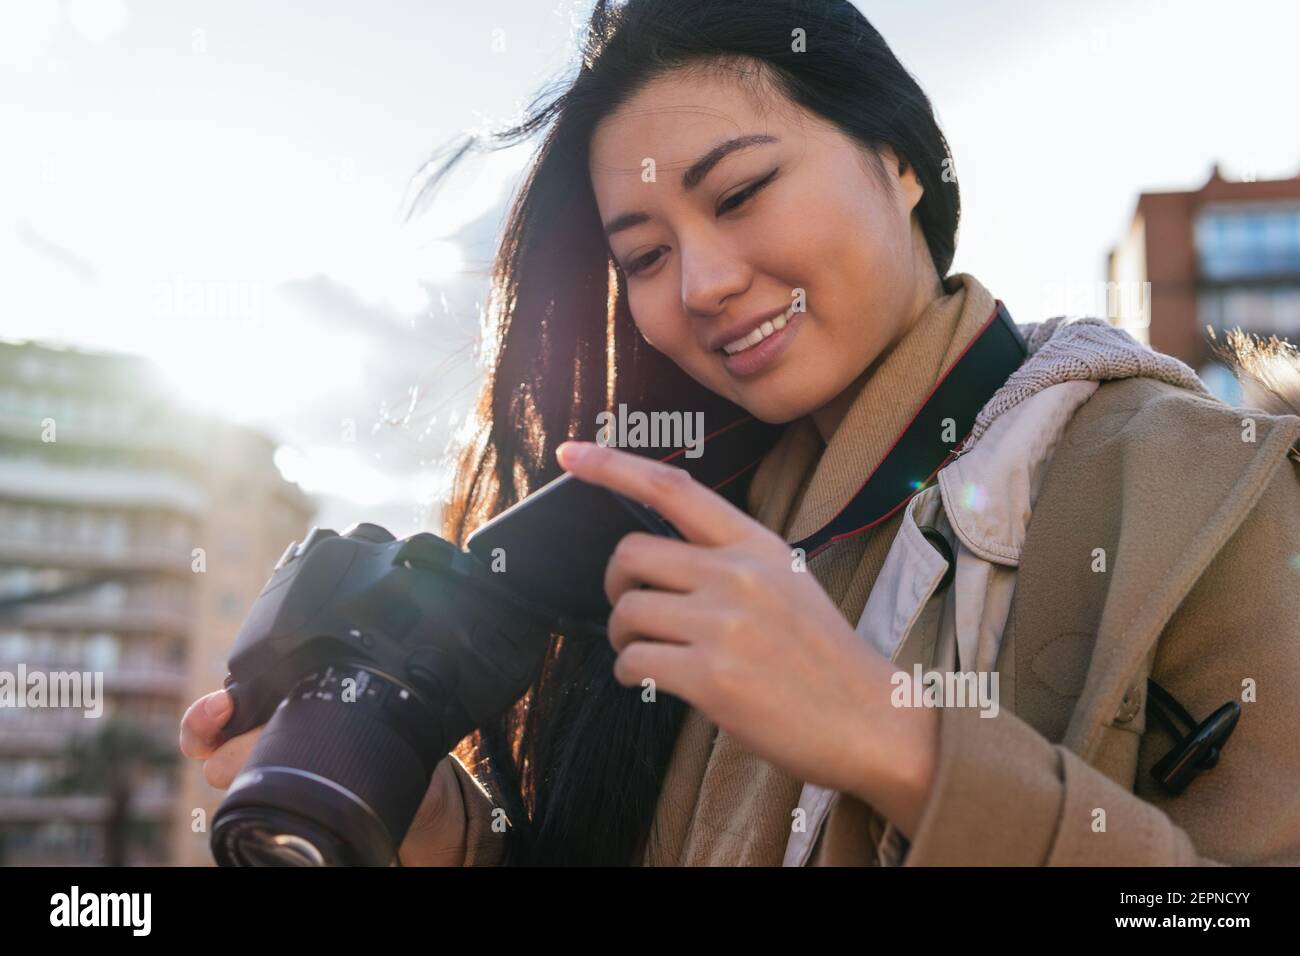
x: 720, y: 805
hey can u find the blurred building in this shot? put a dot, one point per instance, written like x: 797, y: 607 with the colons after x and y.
x: 1226, y: 255
x: 134, y: 535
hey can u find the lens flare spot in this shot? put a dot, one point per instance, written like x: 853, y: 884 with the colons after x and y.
x: 973, y: 497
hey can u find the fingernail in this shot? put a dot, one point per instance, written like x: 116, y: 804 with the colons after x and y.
x: 217, y: 704
x: 571, y: 452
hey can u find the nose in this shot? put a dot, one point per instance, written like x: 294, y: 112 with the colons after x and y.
x: 712, y: 272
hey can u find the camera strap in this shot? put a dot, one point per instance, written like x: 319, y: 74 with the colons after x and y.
x: 732, y: 453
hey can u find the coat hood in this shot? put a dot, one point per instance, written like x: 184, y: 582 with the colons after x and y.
x: 1063, y: 350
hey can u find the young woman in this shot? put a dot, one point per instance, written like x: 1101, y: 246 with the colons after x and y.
x: 746, y: 208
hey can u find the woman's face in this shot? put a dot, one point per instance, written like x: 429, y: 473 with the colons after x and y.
x: 716, y: 241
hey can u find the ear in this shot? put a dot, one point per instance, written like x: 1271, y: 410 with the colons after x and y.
x: 902, y: 172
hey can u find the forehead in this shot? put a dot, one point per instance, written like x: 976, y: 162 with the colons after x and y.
x: 676, y: 118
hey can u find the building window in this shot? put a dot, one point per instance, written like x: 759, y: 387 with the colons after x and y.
x: 1248, y: 241
x: 115, y: 534
x: 102, y: 652
x: 1260, y: 310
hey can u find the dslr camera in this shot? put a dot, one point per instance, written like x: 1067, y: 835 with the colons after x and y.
x: 368, y: 658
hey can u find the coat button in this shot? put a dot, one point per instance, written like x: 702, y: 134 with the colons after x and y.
x: 1129, y: 706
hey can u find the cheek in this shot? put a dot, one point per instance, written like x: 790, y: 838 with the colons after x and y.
x: 838, y: 251
x: 860, y: 253
x: 862, y: 236
x: 659, y: 321
x: 844, y: 223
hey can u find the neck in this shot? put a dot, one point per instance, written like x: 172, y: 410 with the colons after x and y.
x: 828, y: 417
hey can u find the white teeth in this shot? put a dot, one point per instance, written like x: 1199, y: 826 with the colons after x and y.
x: 760, y: 333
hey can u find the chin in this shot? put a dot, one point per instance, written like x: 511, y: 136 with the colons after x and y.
x: 776, y: 411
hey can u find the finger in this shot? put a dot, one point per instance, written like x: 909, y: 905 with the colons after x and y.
x: 224, y: 765
x: 665, y: 564
x: 699, y: 513
x: 202, y: 723
x: 670, y: 666
x: 654, y: 615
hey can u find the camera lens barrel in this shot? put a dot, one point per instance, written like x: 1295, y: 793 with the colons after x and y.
x: 336, y: 776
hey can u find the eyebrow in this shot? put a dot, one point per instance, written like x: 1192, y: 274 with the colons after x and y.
x: 693, y: 176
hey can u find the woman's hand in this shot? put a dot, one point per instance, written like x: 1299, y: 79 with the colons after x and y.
x: 436, y: 836
x: 730, y: 622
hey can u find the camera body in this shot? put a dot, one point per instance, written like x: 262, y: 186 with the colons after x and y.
x: 368, y: 658
x: 418, y: 609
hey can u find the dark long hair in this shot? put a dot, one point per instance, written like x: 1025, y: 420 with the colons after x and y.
x: 579, y: 761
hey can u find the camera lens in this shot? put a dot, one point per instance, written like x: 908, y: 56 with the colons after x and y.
x: 262, y: 837
x: 336, y: 776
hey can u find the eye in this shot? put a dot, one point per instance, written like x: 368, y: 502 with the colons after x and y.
x: 736, y: 200
x: 641, y: 263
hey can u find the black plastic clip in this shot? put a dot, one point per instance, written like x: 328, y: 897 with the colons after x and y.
x: 1196, y: 752
x: 933, y: 535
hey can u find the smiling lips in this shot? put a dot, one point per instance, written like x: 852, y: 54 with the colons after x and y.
x: 761, y: 349
x: 768, y: 328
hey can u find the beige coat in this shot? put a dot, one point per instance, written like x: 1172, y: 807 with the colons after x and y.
x: 1200, y: 529
x: 981, y: 504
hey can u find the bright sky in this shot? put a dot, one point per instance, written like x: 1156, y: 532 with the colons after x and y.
x: 218, y: 185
